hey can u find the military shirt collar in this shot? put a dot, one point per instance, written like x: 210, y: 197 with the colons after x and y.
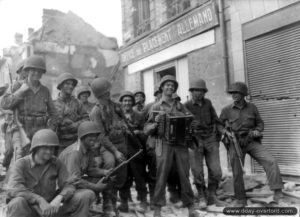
x: 163, y: 100
x: 80, y: 147
x: 33, y: 163
x: 65, y: 99
x: 234, y: 105
x: 199, y: 103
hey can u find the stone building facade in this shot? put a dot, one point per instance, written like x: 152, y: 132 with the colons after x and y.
x: 222, y: 41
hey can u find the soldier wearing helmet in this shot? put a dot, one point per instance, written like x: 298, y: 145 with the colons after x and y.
x: 139, y: 97
x: 32, y: 103
x: 136, y: 167
x: 83, y: 93
x: 79, y: 158
x: 70, y: 110
x: 8, y: 114
x: 33, y: 182
x: 108, y: 115
x: 205, y: 128
x: 244, y: 120
x: 167, y: 152
x: 150, y: 144
x: 157, y: 95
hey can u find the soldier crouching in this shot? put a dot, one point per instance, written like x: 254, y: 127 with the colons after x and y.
x: 32, y: 189
x: 169, y: 153
x: 79, y: 158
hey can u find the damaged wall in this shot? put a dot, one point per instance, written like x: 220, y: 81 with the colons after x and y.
x: 69, y: 44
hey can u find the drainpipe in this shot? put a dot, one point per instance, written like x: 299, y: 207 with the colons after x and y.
x: 224, y: 42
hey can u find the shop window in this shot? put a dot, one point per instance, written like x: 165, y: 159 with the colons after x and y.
x: 141, y: 17
x: 175, y: 7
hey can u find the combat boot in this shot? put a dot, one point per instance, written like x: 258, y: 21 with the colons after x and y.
x: 123, y: 207
x: 107, y: 204
x: 201, y: 199
x: 212, y: 197
x: 174, y: 197
x: 277, y: 195
x: 157, y: 211
x: 142, y: 207
x: 239, y: 203
x: 192, y: 210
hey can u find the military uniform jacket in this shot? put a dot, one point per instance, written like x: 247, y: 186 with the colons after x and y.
x: 73, y: 110
x: 35, y: 108
x: 110, y: 121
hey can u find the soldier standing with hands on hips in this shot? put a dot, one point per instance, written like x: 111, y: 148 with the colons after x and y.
x: 169, y: 153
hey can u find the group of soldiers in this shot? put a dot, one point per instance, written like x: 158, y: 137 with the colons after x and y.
x: 75, y: 146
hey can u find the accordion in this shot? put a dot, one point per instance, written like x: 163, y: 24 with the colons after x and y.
x: 175, y: 129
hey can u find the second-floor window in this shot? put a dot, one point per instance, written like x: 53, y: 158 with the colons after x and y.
x: 141, y: 16
x: 175, y: 7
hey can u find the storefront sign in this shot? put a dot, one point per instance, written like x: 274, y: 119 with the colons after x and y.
x: 195, y: 22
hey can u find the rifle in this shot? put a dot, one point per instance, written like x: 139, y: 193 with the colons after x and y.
x: 107, y: 177
x: 23, y: 136
x: 233, y: 141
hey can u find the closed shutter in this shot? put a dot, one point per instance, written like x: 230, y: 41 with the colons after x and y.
x: 273, y: 71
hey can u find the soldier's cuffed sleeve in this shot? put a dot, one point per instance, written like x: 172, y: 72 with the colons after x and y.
x: 65, y: 181
x: 16, y: 184
x: 95, y: 116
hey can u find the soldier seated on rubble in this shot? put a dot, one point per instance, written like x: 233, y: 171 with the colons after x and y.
x: 79, y: 158
x: 32, y: 188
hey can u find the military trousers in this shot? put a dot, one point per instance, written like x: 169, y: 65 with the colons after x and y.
x: 166, y: 156
x: 258, y: 152
x: 207, y: 149
x: 77, y: 206
x: 173, y: 181
x: 136, y: 172
x: 151, y: 171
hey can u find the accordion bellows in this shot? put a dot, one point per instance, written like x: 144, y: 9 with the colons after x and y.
x: 175, y: 129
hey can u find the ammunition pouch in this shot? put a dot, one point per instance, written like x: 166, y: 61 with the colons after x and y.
x: 33, y: 121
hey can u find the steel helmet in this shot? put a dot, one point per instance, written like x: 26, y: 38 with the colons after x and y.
x: 20, y: 66
x: 83, y: 89
x: 87, y: 127
x: 64, y: 77
x: 157, y: 90
x: 198, y: 84
x: 139, y: 92
x: 36, y: 62
x: 100, y: 86
x: 168, y: 78
x: 239, y: 87
x: 44, y: 137
x: 127, y: 93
